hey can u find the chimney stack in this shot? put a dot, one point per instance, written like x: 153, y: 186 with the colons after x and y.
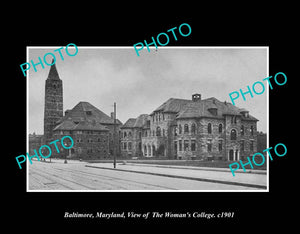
x: 196, y: 97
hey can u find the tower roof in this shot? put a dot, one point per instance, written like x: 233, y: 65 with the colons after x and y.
x: 53, y: 74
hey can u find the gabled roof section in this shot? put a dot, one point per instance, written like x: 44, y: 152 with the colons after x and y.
x: 141, y: 121
x: 129, y: 123
x: 173, y: 105
x: 85, y: 111
x: 201, y: 109
x: 138, y: 122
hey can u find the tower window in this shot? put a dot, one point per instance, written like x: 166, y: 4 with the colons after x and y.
x: 220, y: 128
x: 186, y: 128
x: 233, y: 134
x: 252, y: 130
x: 209, y: 128
x: 193, y: 145
x: 193, y: 128
x: 242, y: 130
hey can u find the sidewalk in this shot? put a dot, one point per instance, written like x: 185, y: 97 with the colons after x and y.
x: 217, y: 175
x: 201, y: 168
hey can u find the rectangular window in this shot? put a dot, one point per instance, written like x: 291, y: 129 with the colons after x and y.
x: 125, y: 145
x: 220, y: 145
x: 180, y: 145
x: 129, y: 145
x: 209, y: 146
x: 193, y: 145
x: 186, y: 145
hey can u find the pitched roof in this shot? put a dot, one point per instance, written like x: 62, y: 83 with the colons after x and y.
x: 173, y: 105
x: 201, y: 109
x: 85, y: 111
x: 129, y: 123
x: 53, y: 74
x: 141, y: 121
x: 138, y: 122
x: 70, y: 124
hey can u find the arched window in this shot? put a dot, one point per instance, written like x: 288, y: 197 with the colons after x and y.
x: 233, y: 134
x: 252, y: 130
x: 125, y: 134
x: 186, y: 128
x: 129, y: 134
x: 209, y: 128
x: 220, y: 128
x: 193, y: 128
x: 234, y: 120
x: 158, y: 131
x: 242, y: 130
x: 179, y: 129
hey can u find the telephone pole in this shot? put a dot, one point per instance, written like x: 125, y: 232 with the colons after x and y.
x: 115, y: 135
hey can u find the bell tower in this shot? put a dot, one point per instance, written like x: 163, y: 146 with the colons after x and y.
x: 53, y: 109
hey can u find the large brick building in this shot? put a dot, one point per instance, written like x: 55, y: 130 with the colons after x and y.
x: 205, y: 129
x: 91, y: 129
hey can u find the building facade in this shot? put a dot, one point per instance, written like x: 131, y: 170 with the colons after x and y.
x: 131, y: 136
x: 199, y: 129
x: 92, y: 132
x: 91, y: 129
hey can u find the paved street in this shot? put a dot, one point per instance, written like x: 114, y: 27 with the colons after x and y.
x: 101, y: 176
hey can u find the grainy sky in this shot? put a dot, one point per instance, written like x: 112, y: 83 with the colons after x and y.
x: 138, y: 85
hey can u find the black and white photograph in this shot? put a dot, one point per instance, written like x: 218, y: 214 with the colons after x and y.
x: 163, y: 121
x: 149, y: 117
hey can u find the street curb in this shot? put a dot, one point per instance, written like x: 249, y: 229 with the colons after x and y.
x: 185, y: 177
x: 199, y: 168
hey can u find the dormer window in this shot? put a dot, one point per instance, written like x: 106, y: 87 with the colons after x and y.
x: 245, y: 113
x: 213, y: 111
x: 88, y: 112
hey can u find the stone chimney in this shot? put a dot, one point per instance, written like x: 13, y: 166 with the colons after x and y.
x: 67, y: 112
x: 196, y: 97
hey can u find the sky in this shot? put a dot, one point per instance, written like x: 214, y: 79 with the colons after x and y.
x: 138, y: 85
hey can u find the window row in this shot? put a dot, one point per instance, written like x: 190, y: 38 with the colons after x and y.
x: 79, y: 140
x: 233, y: 132
x: 157, y: 132
x: 186, y: 129
x: 190, y: 145
x: 128, y: 146
x: 129, y: 134
x: 158, y: 117
x: 65, y: 132
x: 251, y: 145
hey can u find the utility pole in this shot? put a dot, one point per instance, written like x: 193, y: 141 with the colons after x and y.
x: 115, y: 135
